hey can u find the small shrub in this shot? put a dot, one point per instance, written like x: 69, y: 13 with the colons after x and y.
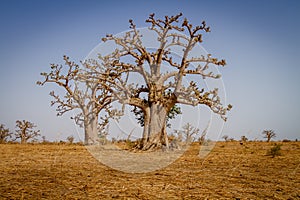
x: 244, y: 139
x: 275, y: 150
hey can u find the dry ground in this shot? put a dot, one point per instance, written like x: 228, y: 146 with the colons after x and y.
x: 230, y: 171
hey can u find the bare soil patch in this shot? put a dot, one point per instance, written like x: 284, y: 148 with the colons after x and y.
x: 229, y: 171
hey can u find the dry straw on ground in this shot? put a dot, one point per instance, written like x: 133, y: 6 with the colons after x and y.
x: 230, y: 171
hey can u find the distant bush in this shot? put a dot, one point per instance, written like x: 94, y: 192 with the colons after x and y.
x: 286, y: 140
x: 244, y: 139
x: 275, y: 150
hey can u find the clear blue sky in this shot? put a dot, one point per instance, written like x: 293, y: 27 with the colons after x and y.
x: 258, y: 39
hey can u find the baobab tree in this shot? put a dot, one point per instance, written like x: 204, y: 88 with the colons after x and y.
x: 85, y: 95
x: 25, y: 131
x: 5, y: 134
x: 269, y: 134
x: 161, y: 90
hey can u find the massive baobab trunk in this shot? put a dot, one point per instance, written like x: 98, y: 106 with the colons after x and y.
x: 91, y: 129
x: 154, y: 134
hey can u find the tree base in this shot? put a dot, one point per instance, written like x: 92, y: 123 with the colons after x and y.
x: 153, y: 145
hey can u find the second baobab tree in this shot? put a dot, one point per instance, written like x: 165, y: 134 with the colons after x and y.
x: 87, y: 96
x: 161, y: 72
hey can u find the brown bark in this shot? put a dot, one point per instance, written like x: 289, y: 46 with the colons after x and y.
x: 154, y: 135
x: 90, y: 129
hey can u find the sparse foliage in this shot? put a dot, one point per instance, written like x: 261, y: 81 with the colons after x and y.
x: 26, y: 131
x: 175, y: 110
x: 269, y: 134
x: 5, y: 134
x: 161, y: 90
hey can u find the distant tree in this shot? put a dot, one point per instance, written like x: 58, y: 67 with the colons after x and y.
x: 5, y: 134
x: 275, y: 150
x: 269, y: 134
x: 244, y: 139
x: 25, y: 131
x: 70, y: 139
x: 188, y: 132
x: 226, y: 138
x: 44, y: 140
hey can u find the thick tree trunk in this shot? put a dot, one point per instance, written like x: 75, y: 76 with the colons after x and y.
x: 146, y: 127
x: 23, y: 137
x: 154, y: 135
x: 91, y: 130
x: 23, y: 140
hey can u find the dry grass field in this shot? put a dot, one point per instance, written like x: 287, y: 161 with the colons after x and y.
x: 230, y: 171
